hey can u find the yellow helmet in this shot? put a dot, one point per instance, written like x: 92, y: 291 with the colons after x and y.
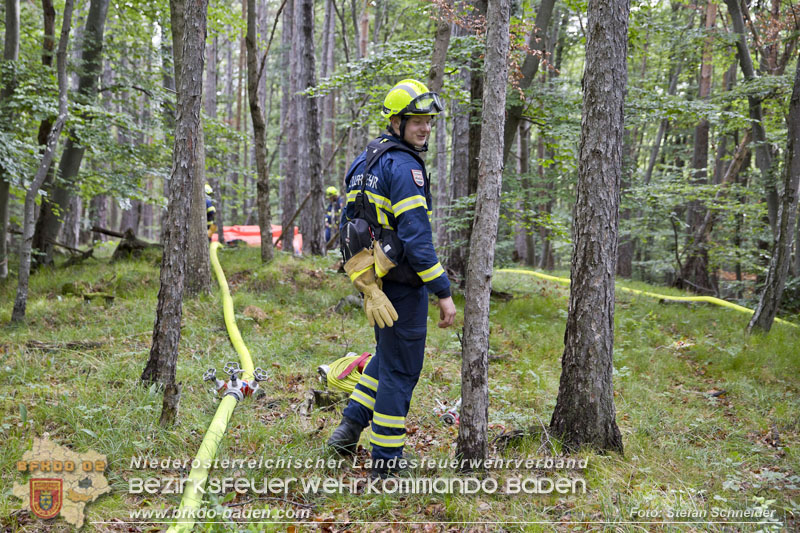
x: 209, y: 190
x: 332, y: 191
x: 411, y: 97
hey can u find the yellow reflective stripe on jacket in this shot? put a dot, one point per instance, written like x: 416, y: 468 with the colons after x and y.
x: 409, y: 203
x: 368, y: 382
x: 389, y: 421
x: 432, y: 273
x: 211, y: 209
x: 364, y: 399
x: 383, y: 207
x: 387, y: 441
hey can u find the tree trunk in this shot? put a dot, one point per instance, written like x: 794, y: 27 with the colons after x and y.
x: 626, y: 240
x: 695, y: 268
x: 527, y: 185
x: 584, y: 412
x: 210, y: 107
x: 163, y: 359
x: 473, y: 428
x: 473, y: 146
x: 198, y: 270
x: 763, y: 154
x: 98, y: 213
x: 309, y: 166
x: 49, y: 224
x: 770, y: 298
x: 25, y: 247
x: 327, y: 122
x: 547, y: 188
x: 435, y: 81
x: 530, y: 66
x: 10, y: 53
x: 259, y: 135
x: 288, y: 185
x: 456, y: 252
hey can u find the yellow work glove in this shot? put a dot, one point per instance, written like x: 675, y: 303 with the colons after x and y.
x: 377, y: 306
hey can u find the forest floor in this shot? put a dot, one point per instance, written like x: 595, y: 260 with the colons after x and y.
x: 710, y: 417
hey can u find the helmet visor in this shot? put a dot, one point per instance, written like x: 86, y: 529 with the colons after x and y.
x: 424, y: 104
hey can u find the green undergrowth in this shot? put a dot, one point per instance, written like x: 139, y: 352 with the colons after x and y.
x: 708, y: 415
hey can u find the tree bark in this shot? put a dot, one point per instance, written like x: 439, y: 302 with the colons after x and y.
x: 474, y: 425
x: 26, y: 243
x: 198, y: 270
x: 210, y: 107
x: 456, y: 251
x: 49, y: 223
x: 309, y: 166
x: 259, y: 135
x: 525, y: 169
x: 288, y: 168
x: 763, y: 154
x: 585, y: 412
x: 530, y: 66
x: 327, y: 122
x: 695, y: 267
x: 435, y: 81
x: 162, y: 363
x: 10, y: 54
x: 770, y: 298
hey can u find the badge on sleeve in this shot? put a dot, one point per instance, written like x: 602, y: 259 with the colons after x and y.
x: 419, y: 179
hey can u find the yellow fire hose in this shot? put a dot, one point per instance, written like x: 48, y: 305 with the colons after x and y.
x: 708, y: 299
x: 193, y: 491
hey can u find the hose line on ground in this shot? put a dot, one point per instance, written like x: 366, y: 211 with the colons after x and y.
x: 193, y: 491
x: 707, y: 299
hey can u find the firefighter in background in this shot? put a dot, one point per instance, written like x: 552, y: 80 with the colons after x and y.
x: 211, y: 211
x: 333, y: 211
x: 387, y: 185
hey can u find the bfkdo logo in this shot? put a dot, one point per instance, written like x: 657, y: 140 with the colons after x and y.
x: 46, y: 497
x: 62, y: 481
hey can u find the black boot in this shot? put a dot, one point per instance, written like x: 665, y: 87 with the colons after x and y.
x: 345, y: 437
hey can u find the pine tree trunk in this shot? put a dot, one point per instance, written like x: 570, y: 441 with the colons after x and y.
x: 49, y: 224
x: 210, y: 107
x: 312, y: 221
x: 163, y: 359
x: 259, y: 135
x: 782, y: 253
x: 21, y: 300
x: 288, y: 185
x: 473, y: 428
x: 584, y: 412
x: 198, y: 271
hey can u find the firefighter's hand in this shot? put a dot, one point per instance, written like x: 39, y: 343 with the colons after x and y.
x: 447, y: 312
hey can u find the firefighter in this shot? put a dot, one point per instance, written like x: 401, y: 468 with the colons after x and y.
x: 333, y: 211
x: 388, y: 186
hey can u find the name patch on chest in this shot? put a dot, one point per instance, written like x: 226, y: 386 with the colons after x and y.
x: 419, y: 179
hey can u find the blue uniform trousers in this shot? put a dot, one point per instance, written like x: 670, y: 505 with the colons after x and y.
x: 383, y: 394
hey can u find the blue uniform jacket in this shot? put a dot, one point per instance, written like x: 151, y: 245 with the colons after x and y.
x: 397, y: 186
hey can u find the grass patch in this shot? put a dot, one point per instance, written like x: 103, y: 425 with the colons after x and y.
x: 709, y: 416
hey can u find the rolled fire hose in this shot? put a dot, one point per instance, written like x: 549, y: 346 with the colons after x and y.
x: 348, y: 383
x: 193, y: 491
x: 707, y: 299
